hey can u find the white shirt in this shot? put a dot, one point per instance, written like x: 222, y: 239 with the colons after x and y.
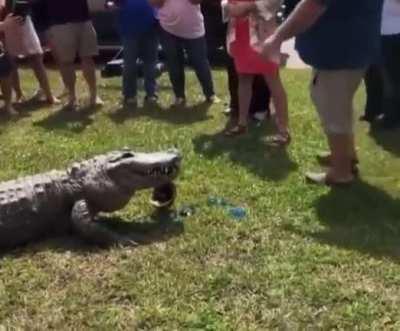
x: 391, y: 17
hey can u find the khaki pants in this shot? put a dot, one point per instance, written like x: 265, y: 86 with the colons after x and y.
x: 332, y: 92
x: 72, y: 39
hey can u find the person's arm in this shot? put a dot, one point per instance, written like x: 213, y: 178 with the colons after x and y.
x: 304, y: 16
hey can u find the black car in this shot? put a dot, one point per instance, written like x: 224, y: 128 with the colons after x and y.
x: 106, y: 24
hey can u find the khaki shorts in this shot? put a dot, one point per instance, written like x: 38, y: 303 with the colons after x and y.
x: 72, y: 39
x: 332, y: 92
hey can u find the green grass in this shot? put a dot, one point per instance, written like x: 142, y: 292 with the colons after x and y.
x: 305, y: 257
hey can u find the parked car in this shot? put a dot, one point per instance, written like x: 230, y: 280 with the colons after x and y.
x: 106, y: 25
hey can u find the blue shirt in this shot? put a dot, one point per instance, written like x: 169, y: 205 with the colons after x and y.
x: 347, y: 36
x: 136, y: 17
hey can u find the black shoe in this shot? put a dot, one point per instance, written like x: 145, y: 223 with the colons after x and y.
x: 388, y: 123
x: 369, y: 118
x: 151, y: 99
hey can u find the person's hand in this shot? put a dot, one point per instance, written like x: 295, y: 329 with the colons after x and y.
x: 271, y: 49
x: 12, y: 20
x: 240, y: 9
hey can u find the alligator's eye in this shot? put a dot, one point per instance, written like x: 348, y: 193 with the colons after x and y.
x: 123, y: 156
x: 127, y: 155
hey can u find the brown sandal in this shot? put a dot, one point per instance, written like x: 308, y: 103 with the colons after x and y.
x: 237, y: 130
x: 324, y: 160
x: 280, y: 140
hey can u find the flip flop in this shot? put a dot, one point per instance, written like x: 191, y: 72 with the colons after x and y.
x: 324, y: 160
x: 323, y: 179
x: 237, y: 130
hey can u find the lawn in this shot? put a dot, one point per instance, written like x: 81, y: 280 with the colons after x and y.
x: 304, y: 257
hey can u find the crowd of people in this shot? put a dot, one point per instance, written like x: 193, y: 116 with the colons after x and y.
x: 343, y: 41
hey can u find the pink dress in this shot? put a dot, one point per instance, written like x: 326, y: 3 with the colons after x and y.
x: 247, y: 59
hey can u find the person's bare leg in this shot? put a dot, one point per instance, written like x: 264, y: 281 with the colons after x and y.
x: 342, y: 156
x: 245, y: 91
x: 68, y: 75
x: 41, y: 75
x: 280, y: 102
x: 16, y: 83
x: 89, y: 72
x: 6, y: 90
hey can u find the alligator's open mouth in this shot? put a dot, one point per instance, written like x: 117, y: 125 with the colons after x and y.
x: 169, y: 170
x: 164, y: 196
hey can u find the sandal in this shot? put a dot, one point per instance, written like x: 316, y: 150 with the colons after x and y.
x: 70, y: 107
x: 324, y: 160
x: 237, y: 130
x: 324, y: 179
x: 280, y: 139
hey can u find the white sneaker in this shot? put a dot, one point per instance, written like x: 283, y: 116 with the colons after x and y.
x: 260, y: 116
x: 227, y: 111
x: 131, y: 103
x: 179, y: 102
x: 213, y: 100
x: 152, y: 100
x: 96, y: 103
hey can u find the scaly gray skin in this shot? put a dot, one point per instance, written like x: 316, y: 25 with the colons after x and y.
x: 59, y: 201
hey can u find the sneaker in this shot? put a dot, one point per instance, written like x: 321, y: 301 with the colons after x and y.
x: 179, y: 102
x: 213, y: 99
x: 96, y: 103
x: 227, y: 111
x: 151, y: 99
x: 260, y: 116
x: 130, y: 103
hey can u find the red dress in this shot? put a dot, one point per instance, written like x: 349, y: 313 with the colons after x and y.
x: 247, y: 60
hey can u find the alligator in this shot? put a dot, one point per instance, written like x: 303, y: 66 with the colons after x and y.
x: 62, y: 201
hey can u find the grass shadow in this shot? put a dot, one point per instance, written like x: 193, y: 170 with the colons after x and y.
x: 72, y: 121
x: 6, y: 118
x: 362, y: 218
x: 388, y: 140
x: 249, y: 151
x: 158, y: 227
x: 116, y: 87
x: 31, y: 105
x: 176, y: 115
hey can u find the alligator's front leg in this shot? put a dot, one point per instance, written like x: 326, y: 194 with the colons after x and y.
x: 83, y: 223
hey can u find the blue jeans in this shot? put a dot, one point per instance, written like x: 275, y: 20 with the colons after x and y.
x: 196, y: 49
x: 145, y: 47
